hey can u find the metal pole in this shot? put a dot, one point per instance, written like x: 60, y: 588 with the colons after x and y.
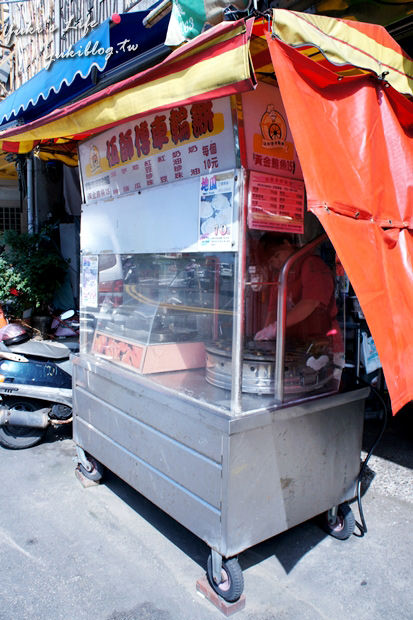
x: 282, y: 314
x: 239, y: 307
x: 30, y: 200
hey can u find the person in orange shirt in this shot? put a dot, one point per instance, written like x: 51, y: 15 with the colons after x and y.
x: 311, y: 305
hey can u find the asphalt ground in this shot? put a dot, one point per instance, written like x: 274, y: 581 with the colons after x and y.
x: 106, y: 553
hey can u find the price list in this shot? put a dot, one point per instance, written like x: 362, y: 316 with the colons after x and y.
x: 275, y: 203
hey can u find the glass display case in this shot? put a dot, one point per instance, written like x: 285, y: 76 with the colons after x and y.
x: 170, y: 317
x: 158, y: 313
x: 309, y: 346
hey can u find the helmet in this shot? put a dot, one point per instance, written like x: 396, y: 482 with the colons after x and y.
x: 13, y: 333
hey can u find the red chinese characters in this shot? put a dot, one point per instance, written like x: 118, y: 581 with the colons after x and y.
x: 112, y: 152
x: 159, y: 132
x: 275, y: 163
x: 143, y: 138
x: 148, y: 173
x: 142, y: 141
x: 126, y: 145
x: 179, y: 126
x: 177, y: 164
x: 202, y: 118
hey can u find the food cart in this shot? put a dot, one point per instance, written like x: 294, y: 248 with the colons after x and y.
x: 235, y: 438
x: 186, y: 166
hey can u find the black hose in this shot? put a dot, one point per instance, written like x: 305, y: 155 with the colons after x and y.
x: 363, y: 526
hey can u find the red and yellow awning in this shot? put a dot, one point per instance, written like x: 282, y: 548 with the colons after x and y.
x: 7, y: 169
x: 349, y: 48
x: 216, y: 64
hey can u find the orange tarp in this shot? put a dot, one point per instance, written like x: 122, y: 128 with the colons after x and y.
x: 354, y: 139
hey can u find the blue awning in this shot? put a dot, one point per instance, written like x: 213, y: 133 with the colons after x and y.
x: 105, y: 48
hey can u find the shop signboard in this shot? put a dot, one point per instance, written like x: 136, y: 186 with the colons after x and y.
x: 276, y: 190
x: 184, y: 142
x: 269, y: 143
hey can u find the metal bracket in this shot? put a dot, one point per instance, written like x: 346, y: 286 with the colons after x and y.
x: 216, y: 566
x: 81, y: 455
x: 332, y: 515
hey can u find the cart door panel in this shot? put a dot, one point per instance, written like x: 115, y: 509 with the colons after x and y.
x: 165, y: 456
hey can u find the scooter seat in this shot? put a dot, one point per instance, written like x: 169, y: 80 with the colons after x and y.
x: 42, y: 348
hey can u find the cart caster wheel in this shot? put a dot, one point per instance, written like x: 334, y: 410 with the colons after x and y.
x: 96, y: 473
x: 232, y: 580
x: 344, y: 524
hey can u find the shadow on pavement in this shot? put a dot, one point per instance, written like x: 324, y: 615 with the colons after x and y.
x: 288, y: 547
x: 58, y: 433
x: 190, y: 544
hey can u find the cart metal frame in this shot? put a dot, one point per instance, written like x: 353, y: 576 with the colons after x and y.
x: 232, y: 481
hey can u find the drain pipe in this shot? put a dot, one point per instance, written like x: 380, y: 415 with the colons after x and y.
x: 30, y: 196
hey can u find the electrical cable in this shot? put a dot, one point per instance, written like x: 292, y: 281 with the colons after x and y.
x: 363, y: 526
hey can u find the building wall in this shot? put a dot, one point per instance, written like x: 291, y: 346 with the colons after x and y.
x: 11, y: 215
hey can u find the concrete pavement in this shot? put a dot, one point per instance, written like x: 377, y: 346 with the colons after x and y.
x: 106, y: 553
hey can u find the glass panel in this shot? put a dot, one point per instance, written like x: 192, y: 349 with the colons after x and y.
x: 161, y: 315
x: 314, y: 344
x: 314, y: 349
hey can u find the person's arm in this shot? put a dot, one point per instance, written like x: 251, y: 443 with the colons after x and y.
x: 298, y: 313
x: 317, y: 282
x: 301, y: 311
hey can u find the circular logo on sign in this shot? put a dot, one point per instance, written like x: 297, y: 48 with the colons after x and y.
x: 273, y: 127
x: 94, y: 158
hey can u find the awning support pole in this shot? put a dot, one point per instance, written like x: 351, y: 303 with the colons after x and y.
x: 30, y: 201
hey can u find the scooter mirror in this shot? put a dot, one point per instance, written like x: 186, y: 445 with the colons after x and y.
x: 67, y: 315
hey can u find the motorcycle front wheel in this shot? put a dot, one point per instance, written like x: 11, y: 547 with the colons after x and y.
x: 21, y: 437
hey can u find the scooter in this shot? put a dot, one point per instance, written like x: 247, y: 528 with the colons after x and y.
x: 35, y: 387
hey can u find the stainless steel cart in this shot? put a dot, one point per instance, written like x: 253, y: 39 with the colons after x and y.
x: 236, y: 440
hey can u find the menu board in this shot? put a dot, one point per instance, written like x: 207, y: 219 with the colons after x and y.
x: 275, y: 203
x: 184, y: 142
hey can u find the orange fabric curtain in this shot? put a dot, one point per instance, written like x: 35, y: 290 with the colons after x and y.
x: 354, y: 138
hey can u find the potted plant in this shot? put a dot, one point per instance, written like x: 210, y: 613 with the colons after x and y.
x: 31, y: 270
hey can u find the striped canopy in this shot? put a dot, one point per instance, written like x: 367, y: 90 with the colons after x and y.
x: 348, y: 48
x: 216, y: 64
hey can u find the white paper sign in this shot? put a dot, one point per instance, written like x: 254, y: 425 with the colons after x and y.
x: 89, y: 287
x: 216, y: 211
